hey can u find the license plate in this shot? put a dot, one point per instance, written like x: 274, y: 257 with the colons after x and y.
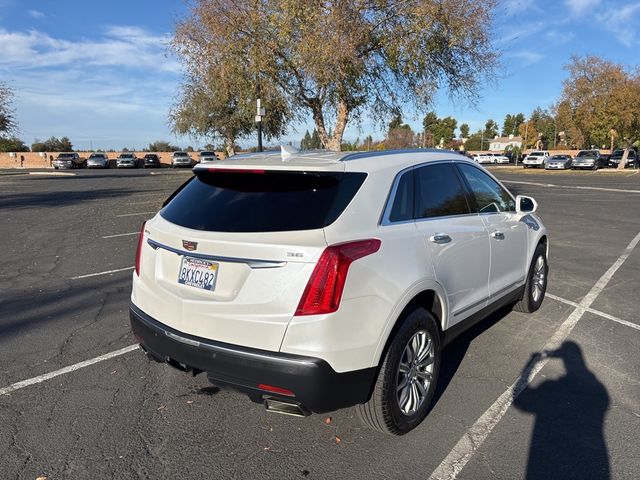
x: 199, y: 273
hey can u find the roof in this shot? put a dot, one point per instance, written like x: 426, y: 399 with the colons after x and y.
x: 506, y: 140
x: 331, y: 161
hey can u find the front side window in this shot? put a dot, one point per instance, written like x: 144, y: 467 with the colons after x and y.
x: 439, y: 192
x: 489, y: 196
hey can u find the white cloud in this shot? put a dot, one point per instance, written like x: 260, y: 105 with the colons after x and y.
x: 527, y: 57
x: 36, y: 14
x: 621, y: 22
x: 129, y: 47
x: 579, y: 7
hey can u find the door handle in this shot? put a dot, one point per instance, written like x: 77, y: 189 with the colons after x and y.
x: 497, y: 235
x: 440, y: 238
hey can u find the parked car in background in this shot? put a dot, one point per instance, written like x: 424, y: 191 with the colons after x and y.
x: 616, y: 158
x: 536, y: 159
x: 205, y: 157
x: 127, y: 160
x: 483, y: 158
x: 181, y: 159
x: 363, y: 265
x: 499, y: 158
x: 151, y: 160
x: 98, y: 160
x: 587, y: 159
x: 69, y: 160
x: 558, y: 162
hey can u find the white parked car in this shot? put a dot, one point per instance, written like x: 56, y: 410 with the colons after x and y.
x: 204, y: 157
x: 318, y: 280
x: 498, y: 158
x: 536, y: 159
x: 181, y: 159
x: 483, y: 158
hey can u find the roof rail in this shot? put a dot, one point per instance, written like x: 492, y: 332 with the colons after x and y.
x: 380, y: 153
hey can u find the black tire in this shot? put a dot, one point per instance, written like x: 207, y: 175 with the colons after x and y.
x: 529, y: 303
x: 383, y: 411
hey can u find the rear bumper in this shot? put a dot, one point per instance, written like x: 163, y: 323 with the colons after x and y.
x: 316, y: 386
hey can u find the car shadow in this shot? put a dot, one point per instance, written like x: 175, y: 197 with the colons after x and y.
x: 454, y: 353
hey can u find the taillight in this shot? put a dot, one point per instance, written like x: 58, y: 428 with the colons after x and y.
x: 324, y: 289
x: 139, y: 250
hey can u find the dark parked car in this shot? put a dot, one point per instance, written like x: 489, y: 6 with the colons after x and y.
x: 616, y: 158
x: 151, y: 160
x: 69, y: 160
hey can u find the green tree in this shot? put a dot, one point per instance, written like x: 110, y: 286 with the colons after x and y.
x: 464, y: 130
x: 52, y: 145
x: 162, y: 146
x: 12, y: 144
x: 490, y: 129
x: 316, y: 143
x: 444, y: 130
x: 305, y: 144
x: 340, y: 60
x: 219, y: 102
x: 517, y: 121
x: 475, y: 141
x: 7, y: 113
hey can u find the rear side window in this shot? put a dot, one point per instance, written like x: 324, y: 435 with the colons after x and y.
x: 402, y: 209
x: 439, y: 192
x: 262, y: 201
x: 489, y: 196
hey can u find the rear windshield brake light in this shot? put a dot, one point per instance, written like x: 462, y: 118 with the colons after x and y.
x: 234, y: 170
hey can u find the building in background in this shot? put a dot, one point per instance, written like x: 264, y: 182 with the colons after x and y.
x: 499, y: 144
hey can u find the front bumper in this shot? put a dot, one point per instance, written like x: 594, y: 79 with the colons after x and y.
x: 316, y: 386
x: 556, y: 166
x: 583, y: 165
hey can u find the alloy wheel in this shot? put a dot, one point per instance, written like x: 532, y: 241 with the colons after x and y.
x: 415, y: 372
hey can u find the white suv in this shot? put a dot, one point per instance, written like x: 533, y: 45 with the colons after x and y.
x: 536, y: 159
x: 318, y: 280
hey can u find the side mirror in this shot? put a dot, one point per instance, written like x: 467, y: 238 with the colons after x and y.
x: 525, y: 204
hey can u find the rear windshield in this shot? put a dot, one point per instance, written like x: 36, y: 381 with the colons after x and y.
x: 262, y: 201
x: 126, y: 155
x: 180, y: 154
x: 587, y: 153
x: 208, y: 154
x: 537, y: 154
x: 65, y: 155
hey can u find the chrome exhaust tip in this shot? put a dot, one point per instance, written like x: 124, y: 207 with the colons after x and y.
x: 285, y: 408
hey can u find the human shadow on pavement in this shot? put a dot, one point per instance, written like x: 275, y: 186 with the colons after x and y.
x: 568, y: 439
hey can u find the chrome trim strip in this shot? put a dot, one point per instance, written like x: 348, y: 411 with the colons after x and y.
x: 252, y: 262
x: 473, y: 305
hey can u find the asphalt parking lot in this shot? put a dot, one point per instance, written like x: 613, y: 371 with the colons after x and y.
x: 68, y: 244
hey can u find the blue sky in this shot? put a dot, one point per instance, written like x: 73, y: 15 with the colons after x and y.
x: 99, y: 72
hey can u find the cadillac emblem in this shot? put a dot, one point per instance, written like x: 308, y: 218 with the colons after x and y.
x: 190, y: 246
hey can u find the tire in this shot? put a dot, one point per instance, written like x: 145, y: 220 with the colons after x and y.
x: 383, y: 412
x: 536, y: 277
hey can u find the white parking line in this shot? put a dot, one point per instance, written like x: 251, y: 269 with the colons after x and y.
x: 108, y: 272
x: 594, y: 311
x: 62, y: 371
x: 121, y: 235
x: 473, y: 439
x: 134, y: 214
x: 577, y: 187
